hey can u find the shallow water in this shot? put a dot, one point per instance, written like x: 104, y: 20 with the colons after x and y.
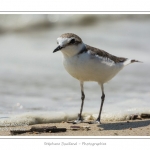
x: 34, y: 84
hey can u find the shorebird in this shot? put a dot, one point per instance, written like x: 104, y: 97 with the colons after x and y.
x: 87, y: 63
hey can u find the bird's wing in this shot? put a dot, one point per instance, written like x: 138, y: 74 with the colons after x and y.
x: 102, y: 53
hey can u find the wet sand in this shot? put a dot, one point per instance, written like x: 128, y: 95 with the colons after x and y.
x: 113, y: 128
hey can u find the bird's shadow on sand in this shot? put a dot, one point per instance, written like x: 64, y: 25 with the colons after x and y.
x: 124, y: 125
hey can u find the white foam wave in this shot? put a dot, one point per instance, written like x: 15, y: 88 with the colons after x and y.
x: 57, y: 117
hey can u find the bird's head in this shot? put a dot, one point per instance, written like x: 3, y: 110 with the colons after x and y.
x: 69, y: 44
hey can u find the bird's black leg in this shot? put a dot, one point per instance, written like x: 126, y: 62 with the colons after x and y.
x: 79, y: 119
x: 82, y: 98
x: 101, y: 106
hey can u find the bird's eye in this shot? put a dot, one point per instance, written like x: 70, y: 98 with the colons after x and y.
x: 72, y: 41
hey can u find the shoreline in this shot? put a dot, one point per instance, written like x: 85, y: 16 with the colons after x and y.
x: 110, y: 128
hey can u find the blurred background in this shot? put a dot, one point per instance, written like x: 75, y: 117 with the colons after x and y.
x: 34, y: 82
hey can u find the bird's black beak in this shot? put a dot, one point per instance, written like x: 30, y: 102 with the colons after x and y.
x: 57, y: 49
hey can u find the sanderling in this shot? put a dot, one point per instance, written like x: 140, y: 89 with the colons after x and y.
x: 87, y: 63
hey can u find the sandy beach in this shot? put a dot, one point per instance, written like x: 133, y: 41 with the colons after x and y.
x: 113, y: 128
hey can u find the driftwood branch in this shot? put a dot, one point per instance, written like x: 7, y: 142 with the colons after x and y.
x: 144, y: 115
x: 39, y: 129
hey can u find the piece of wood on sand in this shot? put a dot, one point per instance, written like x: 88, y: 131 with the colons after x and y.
x: 52, y: 129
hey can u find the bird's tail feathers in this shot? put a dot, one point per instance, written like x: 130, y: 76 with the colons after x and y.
x: 129, y: 61
x: 133, y: 60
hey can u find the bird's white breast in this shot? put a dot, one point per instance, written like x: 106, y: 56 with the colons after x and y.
x: 89, y: 67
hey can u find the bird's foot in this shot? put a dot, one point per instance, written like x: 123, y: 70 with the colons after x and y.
x: 95, y: 122
x: 77, y: 121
